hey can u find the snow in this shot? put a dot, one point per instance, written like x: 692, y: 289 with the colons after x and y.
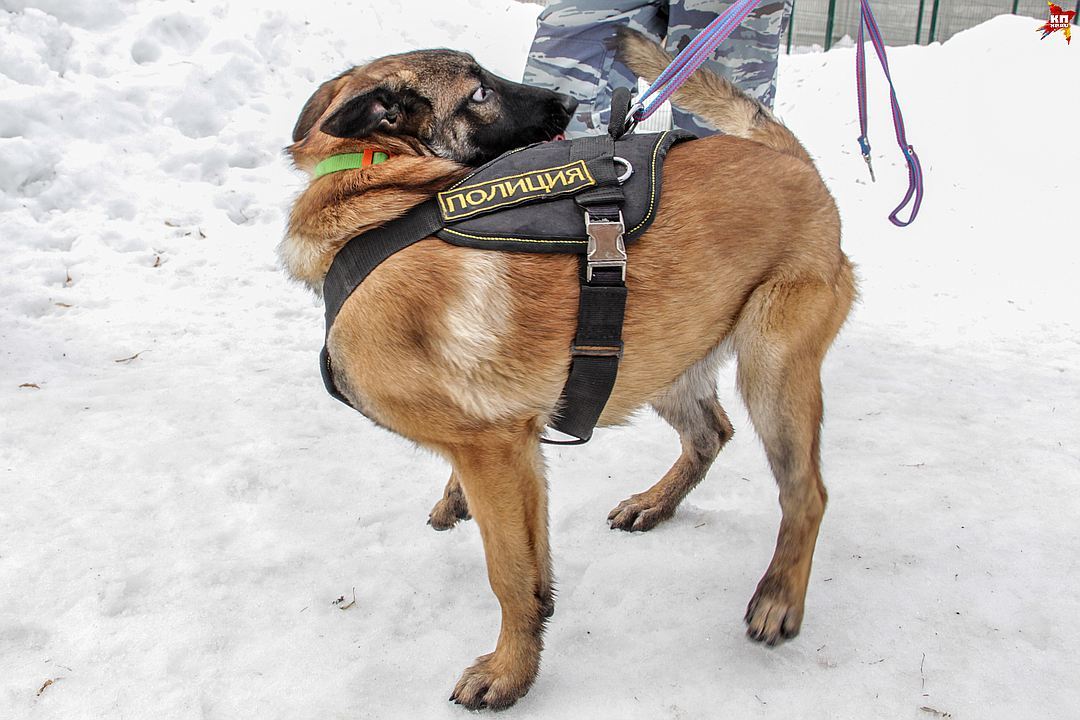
x: 182, y: 503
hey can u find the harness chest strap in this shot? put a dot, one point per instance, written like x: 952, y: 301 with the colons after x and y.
x: 356, y: 260
x: 597, y: 347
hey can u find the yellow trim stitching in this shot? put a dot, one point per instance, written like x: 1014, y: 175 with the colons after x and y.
x: 508, y: 239
x: 652, y: 181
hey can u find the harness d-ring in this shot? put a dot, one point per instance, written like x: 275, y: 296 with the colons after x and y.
x: 629, y: 168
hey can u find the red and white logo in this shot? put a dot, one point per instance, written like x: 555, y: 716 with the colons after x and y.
x: 1059, y: 20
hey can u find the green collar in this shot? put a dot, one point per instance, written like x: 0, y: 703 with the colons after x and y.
x: 350, y: 161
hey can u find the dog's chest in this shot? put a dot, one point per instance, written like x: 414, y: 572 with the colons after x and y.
x: 590, y: 196
x: 435, y: 322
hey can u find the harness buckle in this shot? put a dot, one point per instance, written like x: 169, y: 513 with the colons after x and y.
x: 606, y: 248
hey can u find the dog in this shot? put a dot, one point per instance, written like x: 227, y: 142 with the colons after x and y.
x: 465, y: 351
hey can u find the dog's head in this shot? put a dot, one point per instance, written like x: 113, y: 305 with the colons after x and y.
x: 429, y: 102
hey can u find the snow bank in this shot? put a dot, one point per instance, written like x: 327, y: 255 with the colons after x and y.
x: 181, y: 503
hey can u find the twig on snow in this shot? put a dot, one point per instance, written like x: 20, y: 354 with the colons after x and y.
x: 341, y: 599
x: 129, y: 359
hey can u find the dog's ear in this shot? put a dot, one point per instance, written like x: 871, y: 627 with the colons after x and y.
x: 380, y: 109
x: 316, y: 106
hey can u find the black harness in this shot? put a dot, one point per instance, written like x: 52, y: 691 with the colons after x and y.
x: 590, y: 196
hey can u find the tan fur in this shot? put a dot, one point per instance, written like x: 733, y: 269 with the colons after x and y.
x: 466, y: 351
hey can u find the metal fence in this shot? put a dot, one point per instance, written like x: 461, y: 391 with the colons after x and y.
x: 903, y: 22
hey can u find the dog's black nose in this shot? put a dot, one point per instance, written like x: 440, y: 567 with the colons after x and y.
x: 568, y: 103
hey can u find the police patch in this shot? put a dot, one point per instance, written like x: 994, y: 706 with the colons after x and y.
x: 463, y: 202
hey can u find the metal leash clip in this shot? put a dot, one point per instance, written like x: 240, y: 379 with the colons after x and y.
x: 606, y: 248
x: 864, y: 144
x: 631, y: 120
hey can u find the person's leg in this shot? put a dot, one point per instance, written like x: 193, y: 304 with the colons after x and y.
x: 748, y: 58
x: 572, y: 53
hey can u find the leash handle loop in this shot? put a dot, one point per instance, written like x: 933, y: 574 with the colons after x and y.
x: 915, y: 173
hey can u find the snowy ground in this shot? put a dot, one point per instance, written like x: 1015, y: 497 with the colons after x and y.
x: 181, y: 502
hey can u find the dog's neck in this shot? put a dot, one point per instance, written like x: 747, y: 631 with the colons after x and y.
x: 337, y: 206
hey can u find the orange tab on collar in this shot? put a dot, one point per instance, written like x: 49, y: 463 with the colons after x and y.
x: 350, y: 161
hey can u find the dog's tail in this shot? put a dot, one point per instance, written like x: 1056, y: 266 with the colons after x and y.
x: 711, y: 97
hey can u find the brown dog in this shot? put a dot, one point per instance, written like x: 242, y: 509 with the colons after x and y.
x: 466, y: 351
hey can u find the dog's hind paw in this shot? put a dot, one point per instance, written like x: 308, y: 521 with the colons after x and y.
x: 638, y: 513
x: 490, y: 685
x: 773, y: 614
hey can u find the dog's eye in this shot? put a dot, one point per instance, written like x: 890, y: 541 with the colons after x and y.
x: 481, y: 95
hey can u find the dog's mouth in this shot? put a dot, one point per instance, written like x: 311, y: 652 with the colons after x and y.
x: 557, y: 137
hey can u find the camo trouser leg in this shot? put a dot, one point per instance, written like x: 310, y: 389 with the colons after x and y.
x: 572, y: 52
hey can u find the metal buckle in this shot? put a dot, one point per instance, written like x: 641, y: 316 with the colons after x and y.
x: 625, y: 163
x: 606, y: 247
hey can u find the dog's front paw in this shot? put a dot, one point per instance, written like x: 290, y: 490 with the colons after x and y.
x: 450, y: 508
x: 639, y: 512
x: 775, y: 612
x: 494, y: 684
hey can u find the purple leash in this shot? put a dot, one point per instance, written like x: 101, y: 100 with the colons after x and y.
x: 915, y: 174
x: 689, y: 60
x: 702, y: 46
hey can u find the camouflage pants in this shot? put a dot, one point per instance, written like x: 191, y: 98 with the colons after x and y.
x: 571, y: 52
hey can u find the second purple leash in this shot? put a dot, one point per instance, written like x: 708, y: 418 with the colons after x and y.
x: 699, y: 49
x: 915, y: 173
